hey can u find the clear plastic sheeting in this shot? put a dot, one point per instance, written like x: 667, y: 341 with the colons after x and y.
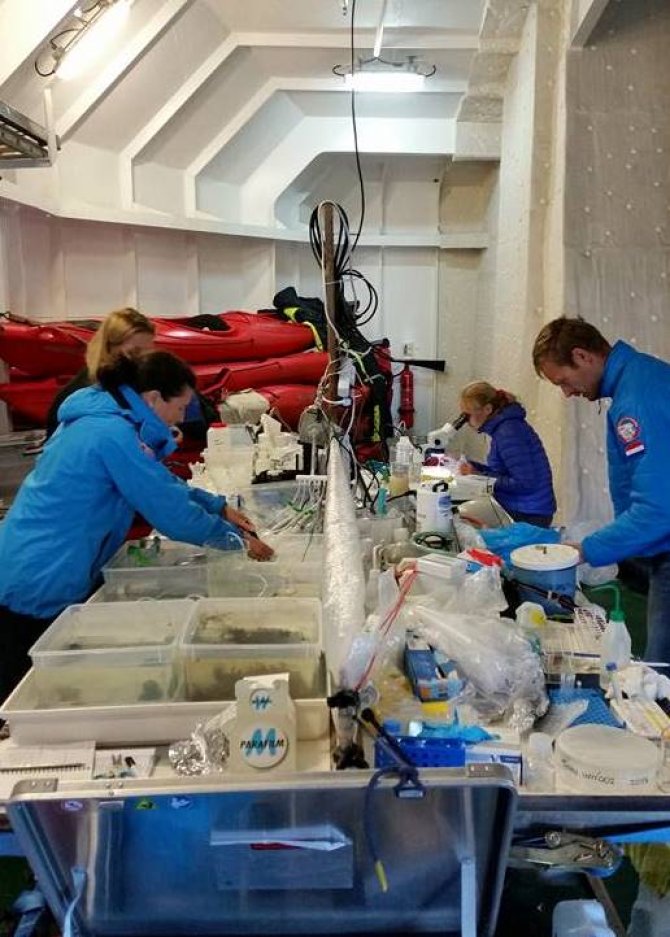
x: 496, y: 659
x: 344, y: 581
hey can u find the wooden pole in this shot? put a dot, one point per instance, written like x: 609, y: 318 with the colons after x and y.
x: 330, y: 300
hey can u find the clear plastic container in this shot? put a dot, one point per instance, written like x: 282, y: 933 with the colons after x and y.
x: 227, y: 639
x: 173, y: 570
x: 538, y: 764
x: 247, y: 577
x: 264, y: 503
x: 296, y: 548
x: 110, y: 653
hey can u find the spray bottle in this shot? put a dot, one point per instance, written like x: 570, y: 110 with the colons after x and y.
x: 615, y: 643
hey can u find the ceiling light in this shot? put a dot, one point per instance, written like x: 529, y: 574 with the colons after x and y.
x: 82, y: 38
x: 377, y: 74
x: 385, y: 81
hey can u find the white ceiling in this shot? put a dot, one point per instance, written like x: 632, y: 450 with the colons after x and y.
x: 200, y: 91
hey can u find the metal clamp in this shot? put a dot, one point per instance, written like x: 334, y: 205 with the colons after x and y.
x: 567, y: 852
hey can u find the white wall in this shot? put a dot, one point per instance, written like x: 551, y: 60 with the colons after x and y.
x: 617, y: 228
x: 60, y: 268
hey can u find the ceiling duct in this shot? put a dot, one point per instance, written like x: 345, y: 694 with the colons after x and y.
x: 23, y: 143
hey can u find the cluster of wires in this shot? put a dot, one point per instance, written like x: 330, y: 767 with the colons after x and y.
x: 355, y: 364
x: 358, y: 312
x: 304, y: 512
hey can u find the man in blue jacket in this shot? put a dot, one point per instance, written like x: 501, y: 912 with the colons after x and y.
x: 574, y: 356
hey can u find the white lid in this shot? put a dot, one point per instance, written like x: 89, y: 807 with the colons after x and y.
x: 543, y: 557
x: 607, y: 749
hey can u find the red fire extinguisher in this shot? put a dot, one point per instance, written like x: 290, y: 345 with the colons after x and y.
x: 406, y: 408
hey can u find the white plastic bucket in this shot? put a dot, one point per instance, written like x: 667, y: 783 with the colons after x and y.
x: 551, y: 567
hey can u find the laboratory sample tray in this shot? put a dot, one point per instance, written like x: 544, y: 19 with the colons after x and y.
x: 137, y: 723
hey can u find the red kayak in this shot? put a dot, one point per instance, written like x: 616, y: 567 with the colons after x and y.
x: 306, y: 367
x: 247, y: 336
x: 288, y: 400
x: 57, y: 348
x: 32, y: 399
x: 42, y: 350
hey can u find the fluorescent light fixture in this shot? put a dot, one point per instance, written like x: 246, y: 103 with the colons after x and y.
x: 81, y: 55
x: 379, y: 37
x: 385, y: 81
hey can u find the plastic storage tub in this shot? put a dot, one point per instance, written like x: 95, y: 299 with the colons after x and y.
x: 110, y: 653
x: 550, y: 567
x: 262, y: 580
x: 227, y: 639
x: 296, y: 548
x: 266, y: 502
x: 162, y: 569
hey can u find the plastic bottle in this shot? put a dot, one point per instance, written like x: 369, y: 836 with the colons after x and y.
x: 615, y: 643
x: 404, y: 450
x: 538, y: 766
x: 615, y: 646
x: 580, y: 919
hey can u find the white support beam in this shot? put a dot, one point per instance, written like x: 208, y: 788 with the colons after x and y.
x: 263, y: 95
x: 24, y: 27
x: 133, y: 49
x: 585, y: 15
x: 167, y: 112
x: 435, y: 40
x: 365, y: 39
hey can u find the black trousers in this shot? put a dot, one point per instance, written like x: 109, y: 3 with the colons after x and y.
x: 18, y: 633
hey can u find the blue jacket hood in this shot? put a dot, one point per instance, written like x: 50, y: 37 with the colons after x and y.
x: 96, y: 402
x: 513, y: 411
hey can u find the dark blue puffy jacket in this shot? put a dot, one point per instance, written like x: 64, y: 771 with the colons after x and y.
x: 519, y: 463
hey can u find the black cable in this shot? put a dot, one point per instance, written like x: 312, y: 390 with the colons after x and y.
x: 355, y: 127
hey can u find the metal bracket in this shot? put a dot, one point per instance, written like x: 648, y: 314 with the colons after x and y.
x: 567, y: 852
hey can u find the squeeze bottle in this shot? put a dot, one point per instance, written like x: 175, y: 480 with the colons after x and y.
x: 615, y: 645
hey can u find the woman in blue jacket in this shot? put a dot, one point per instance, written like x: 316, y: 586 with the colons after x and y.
x: 516, y: 458
x: 75, y: 508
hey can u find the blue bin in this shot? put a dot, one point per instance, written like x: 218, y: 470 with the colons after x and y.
x: 551, y: 567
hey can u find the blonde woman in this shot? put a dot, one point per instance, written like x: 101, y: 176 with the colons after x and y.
x: 123, y: 332
x: 516, y: 459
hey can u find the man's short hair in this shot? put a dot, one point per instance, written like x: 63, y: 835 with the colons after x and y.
x: 559, y: 338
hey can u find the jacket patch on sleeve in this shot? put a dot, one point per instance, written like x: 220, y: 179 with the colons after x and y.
x: 628, y: 431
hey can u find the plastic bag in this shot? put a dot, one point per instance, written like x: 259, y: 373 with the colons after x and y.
x: 465, y: 535
x: 493, y: 656
x: 589, y: 575
x: 376, y: 645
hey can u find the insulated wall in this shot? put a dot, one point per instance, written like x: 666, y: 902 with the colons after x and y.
x: 617, y: 217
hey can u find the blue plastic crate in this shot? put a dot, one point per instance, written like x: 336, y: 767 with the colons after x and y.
x: 424, y: 753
